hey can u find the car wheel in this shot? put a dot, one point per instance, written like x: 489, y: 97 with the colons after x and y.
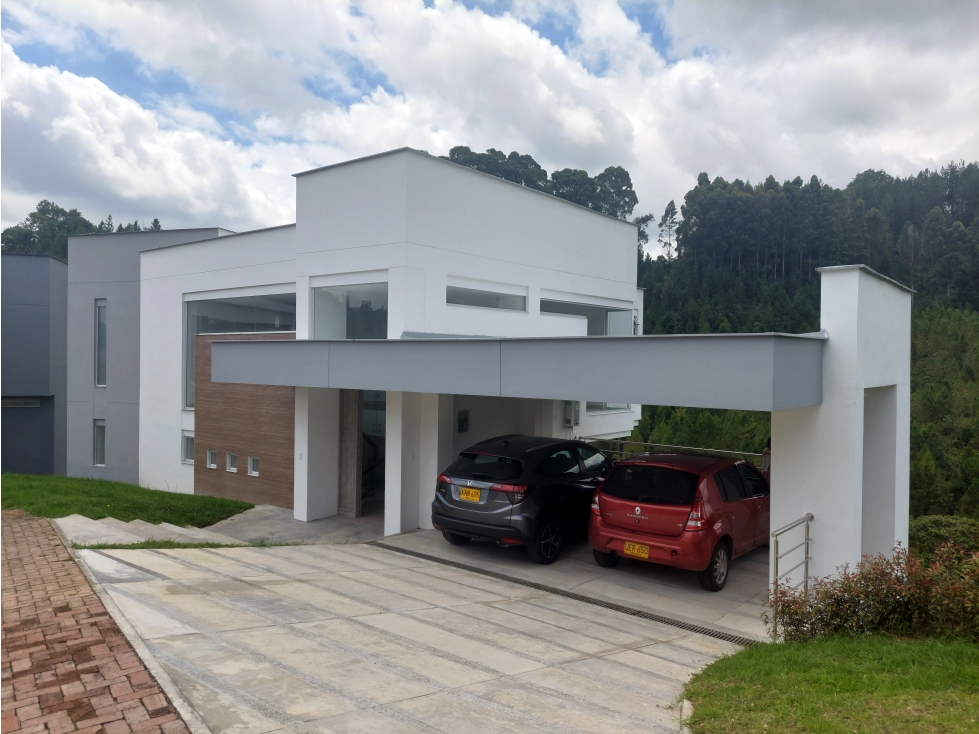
x: 606, y: 560
x: 714, y: 576
x: 546, y: 544
x: 455, y: 538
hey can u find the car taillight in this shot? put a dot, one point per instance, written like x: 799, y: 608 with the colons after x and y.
x: 595, y: 508
x: 516, y: 492
x: 442, y: 480
x: 696, y: 520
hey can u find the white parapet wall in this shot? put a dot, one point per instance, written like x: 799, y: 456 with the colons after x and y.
x: 846, y: 460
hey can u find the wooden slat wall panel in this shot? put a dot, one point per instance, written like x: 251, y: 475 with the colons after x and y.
x: 247, y: 420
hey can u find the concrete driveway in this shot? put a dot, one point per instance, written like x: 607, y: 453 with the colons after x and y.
x: 351, y: 638
x: 735, y: 610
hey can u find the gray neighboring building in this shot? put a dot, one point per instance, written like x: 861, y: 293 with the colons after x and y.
x: 103, y: 345
x: 33, y: 368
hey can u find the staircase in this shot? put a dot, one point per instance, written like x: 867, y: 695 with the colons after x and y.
x: 85, y: 531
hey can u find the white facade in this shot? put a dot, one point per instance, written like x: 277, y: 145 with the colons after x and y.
x: 419, y: 225
x: 846, y: 459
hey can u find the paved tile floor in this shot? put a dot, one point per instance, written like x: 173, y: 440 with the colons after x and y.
x: 66, y: 665
x: 736, y: 609
x: 348, y: 638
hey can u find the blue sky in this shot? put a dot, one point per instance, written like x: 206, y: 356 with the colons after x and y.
x: 198, y: 112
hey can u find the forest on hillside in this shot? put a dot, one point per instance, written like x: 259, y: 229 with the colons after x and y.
x: 742, y: 258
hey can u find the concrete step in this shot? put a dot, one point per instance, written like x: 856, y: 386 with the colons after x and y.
x: 142, y: 529
x: 156, y: 532
x: 85, y: 531
x: 199, y: 535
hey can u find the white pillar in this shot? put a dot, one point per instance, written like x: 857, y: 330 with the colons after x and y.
x: 393, y: 433
x: 316, y: 461
x: 847, y: 460
x: 435, y: 450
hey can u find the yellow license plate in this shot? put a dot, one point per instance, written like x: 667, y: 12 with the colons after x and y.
x: 636, y: 549
x: 469, y: 495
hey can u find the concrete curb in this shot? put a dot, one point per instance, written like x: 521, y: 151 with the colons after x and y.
x: 184, y: 707
x: 686, y: 711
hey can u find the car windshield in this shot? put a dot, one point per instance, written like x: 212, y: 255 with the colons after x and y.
x: 485, y: 466
x: 653, y: 484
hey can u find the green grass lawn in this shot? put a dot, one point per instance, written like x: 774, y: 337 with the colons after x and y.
x: 56, y: 496
x: 841, y: 684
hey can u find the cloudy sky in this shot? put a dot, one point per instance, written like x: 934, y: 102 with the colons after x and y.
x: 197, y: 113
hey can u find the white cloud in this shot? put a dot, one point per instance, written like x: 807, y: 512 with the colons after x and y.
x: 748, y: 89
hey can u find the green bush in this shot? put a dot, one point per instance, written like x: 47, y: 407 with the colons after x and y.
x: 926, y: 533
x: 900, y: 595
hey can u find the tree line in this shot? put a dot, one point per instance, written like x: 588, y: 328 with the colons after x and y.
x: 45, y: 230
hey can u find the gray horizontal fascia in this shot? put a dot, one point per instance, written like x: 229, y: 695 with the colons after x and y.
x: 27, y: 389
x: 739, y: 371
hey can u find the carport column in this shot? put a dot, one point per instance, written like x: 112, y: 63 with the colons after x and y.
x: 435, y: 450
x: 847, y: 460
x: 401, y: 462
x: 316, y: 460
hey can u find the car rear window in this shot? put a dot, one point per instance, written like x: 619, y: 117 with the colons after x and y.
x: 485, y: 466
x: 656, y: 485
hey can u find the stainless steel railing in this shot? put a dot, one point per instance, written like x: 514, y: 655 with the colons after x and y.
x: 778, y: 554
x: 618, y: 449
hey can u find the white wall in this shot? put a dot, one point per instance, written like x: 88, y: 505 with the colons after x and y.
x: 818, y: 461
x: 239, y: 265
x: 413, y: 221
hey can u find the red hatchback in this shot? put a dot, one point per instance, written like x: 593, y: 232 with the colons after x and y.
x: 692, y: 512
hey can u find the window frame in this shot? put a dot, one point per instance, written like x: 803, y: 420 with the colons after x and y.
x: 101, y: 341
x: 211, y: 459
x: 253, y: 472
x: 184, y: 435
x: 96, y: 425
x: 231, y: 462
x: 456, y: 291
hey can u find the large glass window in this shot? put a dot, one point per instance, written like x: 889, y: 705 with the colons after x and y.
x: 351, y: 311
x: 602, y: 320
x: 484, y: 299
x: 247, y: 314
x: 98, y: 443
x: 100, y: 342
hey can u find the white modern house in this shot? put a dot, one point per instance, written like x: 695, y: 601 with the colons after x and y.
x: 417, y: 307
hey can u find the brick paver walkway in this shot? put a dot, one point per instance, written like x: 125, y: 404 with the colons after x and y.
x: 66, y: 665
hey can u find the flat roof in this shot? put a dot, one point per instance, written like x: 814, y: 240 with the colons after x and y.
x: 761, y: 372
x: 459, y: 165
x: 155, y: 231
x: 868, y: 271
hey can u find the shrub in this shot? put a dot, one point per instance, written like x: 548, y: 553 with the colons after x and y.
x: 900, y: 595
x: 926, y: 533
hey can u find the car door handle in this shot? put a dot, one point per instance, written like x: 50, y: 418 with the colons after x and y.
x: 730, y: 515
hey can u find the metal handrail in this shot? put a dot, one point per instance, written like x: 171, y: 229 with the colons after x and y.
x: 778, y: 555
x: 696, y: 449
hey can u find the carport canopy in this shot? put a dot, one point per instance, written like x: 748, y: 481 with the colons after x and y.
x: 762, y: 372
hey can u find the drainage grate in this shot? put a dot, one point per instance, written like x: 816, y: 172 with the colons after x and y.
x: 631, y: 611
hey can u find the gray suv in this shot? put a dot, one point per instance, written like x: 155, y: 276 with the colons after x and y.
x: 519, y: 490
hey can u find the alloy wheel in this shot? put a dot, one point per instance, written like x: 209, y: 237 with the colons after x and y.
x: 550, y: 540
x: 720, y: 567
